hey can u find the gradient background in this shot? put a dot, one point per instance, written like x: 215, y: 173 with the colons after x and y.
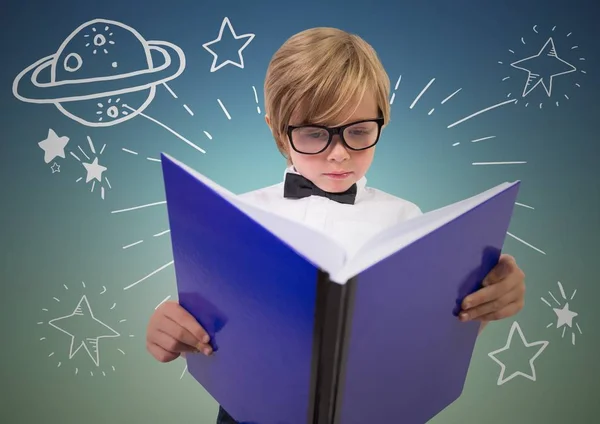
x: 56, y: 233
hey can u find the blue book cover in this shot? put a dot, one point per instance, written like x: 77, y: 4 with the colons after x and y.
x: 304, y: 331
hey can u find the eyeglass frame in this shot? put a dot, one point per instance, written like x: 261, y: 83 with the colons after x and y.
x: 339, y: 130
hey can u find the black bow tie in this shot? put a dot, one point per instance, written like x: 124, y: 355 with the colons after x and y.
x: 296, y: 187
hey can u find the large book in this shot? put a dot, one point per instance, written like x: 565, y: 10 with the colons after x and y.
x: 304, y: 331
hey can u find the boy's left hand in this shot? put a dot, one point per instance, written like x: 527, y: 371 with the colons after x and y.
x: 502, y: 295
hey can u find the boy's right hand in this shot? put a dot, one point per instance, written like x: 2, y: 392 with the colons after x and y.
x: 172, y: 332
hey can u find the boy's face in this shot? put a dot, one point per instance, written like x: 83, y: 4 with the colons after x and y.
x: 337, y: 168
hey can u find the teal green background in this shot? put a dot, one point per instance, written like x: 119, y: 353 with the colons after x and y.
x: 55, y: 232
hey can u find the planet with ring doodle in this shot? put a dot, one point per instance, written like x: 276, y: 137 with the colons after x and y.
x: 104, y: 73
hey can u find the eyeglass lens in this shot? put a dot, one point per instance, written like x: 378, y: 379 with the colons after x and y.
x: 314, y: 139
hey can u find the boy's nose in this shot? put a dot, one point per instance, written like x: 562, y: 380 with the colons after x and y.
x: 338, y: 150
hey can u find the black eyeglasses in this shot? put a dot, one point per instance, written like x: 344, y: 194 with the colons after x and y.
x: 314, y: 139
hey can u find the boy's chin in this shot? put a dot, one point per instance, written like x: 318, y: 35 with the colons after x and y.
x: 336, y: 186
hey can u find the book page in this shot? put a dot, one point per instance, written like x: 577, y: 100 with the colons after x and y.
x: 399, y: 236
x: 319, y: 249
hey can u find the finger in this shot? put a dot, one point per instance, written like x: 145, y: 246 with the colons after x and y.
x: 168, y: 342
x: 486, y: 294
x: 171, y: 344
x: 186, y: 320
x: 508, y: 311
x: 505, y: 266
x: 491, y: 306
x: 161, y: 354
x: 186, y: 340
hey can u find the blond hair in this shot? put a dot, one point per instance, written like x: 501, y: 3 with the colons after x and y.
x: 317, y: 73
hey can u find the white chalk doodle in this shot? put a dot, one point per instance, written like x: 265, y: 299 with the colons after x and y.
x: 225, y: 111
x: 525, y: 243
x: 144, y: 278
x: 248, y: 37
x: 68, y: 324
x: 421, y: 93
x: 412, y: 105
x: 184, y: 372
x: 539, y: 346
x: 543, y: 67
x: 534, y: 66
x: 256, y: 99
x: 78, y: 74
x: 564, y: 315
x: 395, y: 89
x: 130, y: 245
x: 55, y: 167
x: 93, y: 169
x: 162, y: 301
x: 162, y: 202
x: 162, y: 267
x: 476, y: 140
x: 53, y: 146
x: 446, y: 99
x: 479, y: 112
x: 84, y: 328
x: 104, y: 73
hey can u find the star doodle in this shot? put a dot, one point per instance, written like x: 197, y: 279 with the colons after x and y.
x: 53, y: 146
x: 564, y: 316
x: 55, y: 167
x: 240, y: 64
x: 542, y: 60
x: 94, y: 170
x: 541, y: 345
x: 70, y: 324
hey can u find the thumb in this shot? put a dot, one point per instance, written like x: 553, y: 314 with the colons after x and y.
x: 498, y: 273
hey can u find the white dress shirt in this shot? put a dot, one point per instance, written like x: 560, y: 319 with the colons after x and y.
x: 351, y: 225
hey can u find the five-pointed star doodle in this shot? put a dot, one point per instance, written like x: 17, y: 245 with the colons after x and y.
x: 55, y: 167
x: 532, y: 376
x: 53, y: 146
x: 248, y: 37
x: 564, y: 316
x: 546, y: 59
x: 94, y: 170
x: 69, y: 325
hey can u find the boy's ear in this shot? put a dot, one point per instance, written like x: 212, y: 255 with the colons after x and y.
x: 268, y: 121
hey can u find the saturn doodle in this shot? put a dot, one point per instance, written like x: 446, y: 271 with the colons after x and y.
x: 104, y: 73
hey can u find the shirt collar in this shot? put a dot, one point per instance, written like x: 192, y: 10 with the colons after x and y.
x: 360, y: 184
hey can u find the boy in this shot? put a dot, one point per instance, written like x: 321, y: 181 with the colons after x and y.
x: 326, y: 96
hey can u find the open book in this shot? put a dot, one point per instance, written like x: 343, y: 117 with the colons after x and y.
x: 305, y: 332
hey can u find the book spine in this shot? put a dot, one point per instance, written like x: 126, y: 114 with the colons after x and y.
x: 332, y: 315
